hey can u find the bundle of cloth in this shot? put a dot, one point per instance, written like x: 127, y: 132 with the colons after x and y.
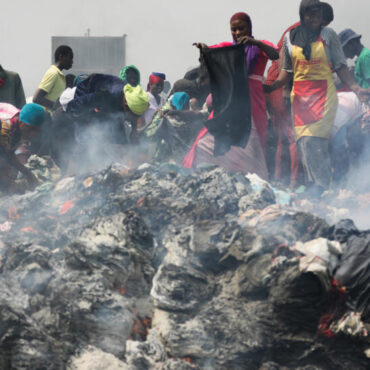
x: 171, y: 133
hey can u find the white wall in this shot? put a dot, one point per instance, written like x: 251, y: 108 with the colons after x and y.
x: 160, y: 33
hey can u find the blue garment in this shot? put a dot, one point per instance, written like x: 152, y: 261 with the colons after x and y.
x: 100, y: 91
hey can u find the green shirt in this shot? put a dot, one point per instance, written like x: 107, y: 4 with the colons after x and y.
x: 362, y: 71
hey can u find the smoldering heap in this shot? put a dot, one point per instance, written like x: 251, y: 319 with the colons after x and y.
x: 157, y: 269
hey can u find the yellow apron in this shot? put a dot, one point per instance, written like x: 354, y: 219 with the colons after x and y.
x: 314, y: 96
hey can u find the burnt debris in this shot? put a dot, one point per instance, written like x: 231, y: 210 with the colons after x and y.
x: 156, y: 269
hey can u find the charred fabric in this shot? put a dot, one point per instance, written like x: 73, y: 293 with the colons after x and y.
x: 154, y: 268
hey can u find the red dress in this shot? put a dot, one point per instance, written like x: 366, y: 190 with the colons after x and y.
x: 257, y: 99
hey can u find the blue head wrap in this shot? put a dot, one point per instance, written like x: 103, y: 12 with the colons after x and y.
x: 32, y: 114
x: 179, y: 100
x: 160, y: 75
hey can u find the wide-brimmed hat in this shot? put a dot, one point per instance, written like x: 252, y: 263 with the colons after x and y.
x: 347, y: 35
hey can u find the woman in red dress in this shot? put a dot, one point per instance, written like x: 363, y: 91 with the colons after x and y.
x: 257, y: 55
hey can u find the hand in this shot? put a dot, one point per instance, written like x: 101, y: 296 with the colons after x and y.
x: 267, y: 89
x: 200, y: 45
x: 32, y: 180
x: 247, y: 40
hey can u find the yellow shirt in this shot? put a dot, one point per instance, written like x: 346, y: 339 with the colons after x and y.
x: 54, y: 83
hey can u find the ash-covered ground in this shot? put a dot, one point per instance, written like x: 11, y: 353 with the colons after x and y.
x: 154, y: 268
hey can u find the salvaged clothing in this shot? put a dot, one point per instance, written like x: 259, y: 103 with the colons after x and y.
x: 231, y: 124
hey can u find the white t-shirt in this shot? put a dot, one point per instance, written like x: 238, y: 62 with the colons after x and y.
x: 153, y: 107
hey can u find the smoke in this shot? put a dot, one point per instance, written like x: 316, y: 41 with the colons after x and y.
x: 101, y: 142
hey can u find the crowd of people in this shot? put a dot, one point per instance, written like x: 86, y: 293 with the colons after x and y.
x: 304, y: 124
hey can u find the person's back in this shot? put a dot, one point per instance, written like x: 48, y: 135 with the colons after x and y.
x: 54, y: 83
x: 11, y: 88
x: 101, y: 91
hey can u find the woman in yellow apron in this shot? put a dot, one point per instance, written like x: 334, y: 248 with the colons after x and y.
x: 311, y: 52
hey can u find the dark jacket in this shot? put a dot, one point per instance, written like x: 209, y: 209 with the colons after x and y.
x: 11, y: 88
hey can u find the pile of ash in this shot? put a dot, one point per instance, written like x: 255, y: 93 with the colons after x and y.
x: 152, y: 268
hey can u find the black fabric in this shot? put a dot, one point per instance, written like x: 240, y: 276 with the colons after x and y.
x: 354, y: 273
x: 232, y: 120
x: 193, y: 74
x: 342, y: 231
x: 302, y: 36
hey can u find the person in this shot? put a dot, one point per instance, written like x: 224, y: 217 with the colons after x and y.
x: 154, y: 89
x: 106, y: 105
x: 281, y: 121
x: 54, y: 82
x: 257, y: 54
x: 130, y: 74
x: 170, y: 134
x: 310, y: 53
x: 17, y: 126
x: 278, y: 104
x: 247, y: 154
x: 11, y: 88
x: 352, y: 46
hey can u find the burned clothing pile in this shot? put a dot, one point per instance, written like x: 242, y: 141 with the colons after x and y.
x: 148, y: 268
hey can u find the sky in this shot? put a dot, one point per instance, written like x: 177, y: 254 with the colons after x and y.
x: 159, y: 33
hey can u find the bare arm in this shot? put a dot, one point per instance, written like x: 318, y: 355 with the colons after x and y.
x: 283, y: 78
x: 40, y: 98
x: 13, y: 161
x: 270, y: 51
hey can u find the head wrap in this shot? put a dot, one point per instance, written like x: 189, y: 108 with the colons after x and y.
x: 327, y: 12
x: 123, y: 73
x: 155, y: 78
x: 241, y: 16
x: 32, y: 114
x: 251, y: 51
x: 307, y: 5
x: 302, y: 36
x: 137, y: 99
x: 348, y: 35
x: 179, y: 100
x: 80, y: 78
x: 190, y: 87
